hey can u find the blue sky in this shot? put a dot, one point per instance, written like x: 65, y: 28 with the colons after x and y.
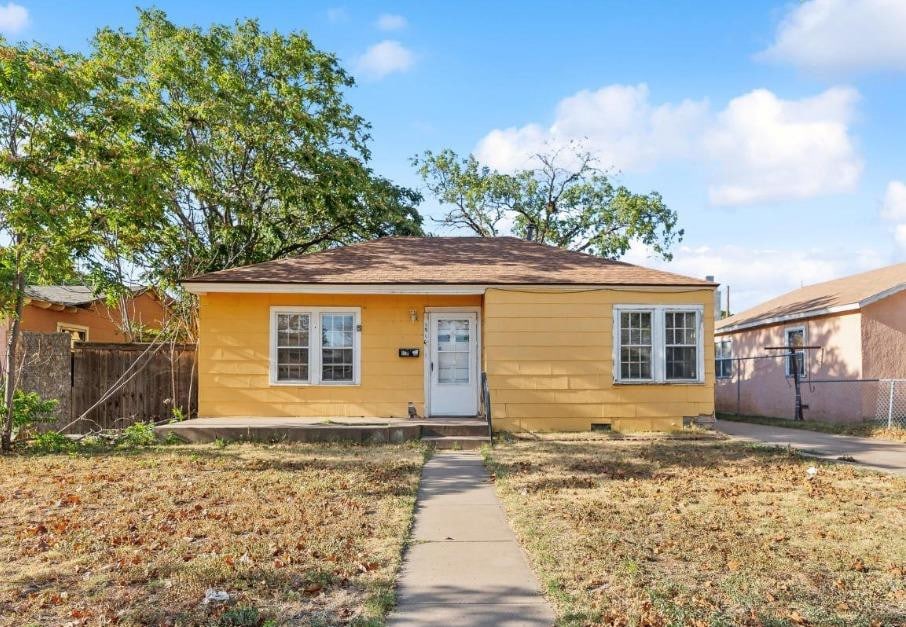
x: 775, y: 129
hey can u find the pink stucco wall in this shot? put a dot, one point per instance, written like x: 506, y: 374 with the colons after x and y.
x: 765, y: 390
x: 884, y: 338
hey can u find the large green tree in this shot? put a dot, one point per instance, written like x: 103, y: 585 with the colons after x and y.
x: 260, y: 154
x: 71, y: 168
x: 566, y: 201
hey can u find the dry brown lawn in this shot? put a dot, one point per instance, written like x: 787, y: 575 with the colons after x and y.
x: 295, y: 534
x: 705, y: 533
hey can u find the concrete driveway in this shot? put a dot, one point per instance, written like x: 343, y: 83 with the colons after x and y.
x: 878, y: 454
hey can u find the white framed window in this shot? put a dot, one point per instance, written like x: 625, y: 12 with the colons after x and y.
x: 78, y: 332
x: 723, y: 359
x: 795, y: 336
x: 315, y: 346
x: 658, y: 344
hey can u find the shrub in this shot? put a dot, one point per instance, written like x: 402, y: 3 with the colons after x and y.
x: 241, y: 617
x: 29, y: 409
x: 52, y: 442
x: 138, y: 434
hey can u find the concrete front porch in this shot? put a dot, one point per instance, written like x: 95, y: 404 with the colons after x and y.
x: 451, y: 432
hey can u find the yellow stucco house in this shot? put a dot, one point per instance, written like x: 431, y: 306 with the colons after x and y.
x: 568, y: 341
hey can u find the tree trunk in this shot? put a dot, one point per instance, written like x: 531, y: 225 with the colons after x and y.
x: 125, y: 321
x: 12, y: 370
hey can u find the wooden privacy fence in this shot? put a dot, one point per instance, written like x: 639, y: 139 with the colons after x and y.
x: 116, y: 385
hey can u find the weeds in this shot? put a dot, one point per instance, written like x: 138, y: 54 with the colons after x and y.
x: 52, y: 442
x: 137, y: 435
x: 705, y: 533
x: 302, y: 534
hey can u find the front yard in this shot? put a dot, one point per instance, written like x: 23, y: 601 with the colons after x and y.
x: 705, y: 533
x: 292, y: 534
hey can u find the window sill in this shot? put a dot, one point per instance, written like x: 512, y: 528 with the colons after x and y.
x: 302, y: 384
x: 650, y: 382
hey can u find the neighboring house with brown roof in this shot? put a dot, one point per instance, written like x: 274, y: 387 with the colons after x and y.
x: 859, y: 323
x: 75, y: 309
x: 568, y: 341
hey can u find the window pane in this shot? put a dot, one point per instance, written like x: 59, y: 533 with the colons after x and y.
x: 337, y: 342
x: 723, y: 359
x: 681, y: 348
x: 635, y: 345
x: 453, y: 350
x: 293, y: 337
x: 796, y: 338
x: 293, y: 329
x: 681, y: 363
x: 292, y: 364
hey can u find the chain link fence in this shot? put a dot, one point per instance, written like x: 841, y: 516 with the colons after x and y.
x: 891, y: 403
x: 761, y: 385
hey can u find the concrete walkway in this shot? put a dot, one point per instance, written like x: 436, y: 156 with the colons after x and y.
x: 878, y: 454
x: 463, y: 566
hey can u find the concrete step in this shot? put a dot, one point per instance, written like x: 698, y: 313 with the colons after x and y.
x: 440, y: 429
x: 460, y: 442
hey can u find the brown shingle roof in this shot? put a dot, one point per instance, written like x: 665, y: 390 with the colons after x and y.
x: 820, y: 298
x: 448, y: 260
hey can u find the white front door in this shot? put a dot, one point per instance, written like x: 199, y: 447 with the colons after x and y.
x: 452, y: 370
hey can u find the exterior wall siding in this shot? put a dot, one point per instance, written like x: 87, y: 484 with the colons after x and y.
x: 549, y: 358
x: 234, y: 354
x: 765, y: 390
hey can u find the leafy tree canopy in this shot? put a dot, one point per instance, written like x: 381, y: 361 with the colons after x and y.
x: 566, y: 201
x: 70, y: 169
x: 259, y: 153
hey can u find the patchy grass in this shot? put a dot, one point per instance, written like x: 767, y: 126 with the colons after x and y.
x: 689, y: 433
x: 705, y: 533
x: 860, y: 429
x: 295, y: 534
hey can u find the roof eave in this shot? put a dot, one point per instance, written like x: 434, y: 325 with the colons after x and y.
x: 202, y: 287
x: 804, y: 315
x: 812, y: 313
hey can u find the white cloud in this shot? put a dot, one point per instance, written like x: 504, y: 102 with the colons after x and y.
x: 893, y: 209
x: 757, y: 274
x: 13, y: 18
x: 617, y: 123
x: 385, y: 58
x: 335, y: 15
x: 842, y: 35
x: 767, y: 149
x: 389, y: 21
x: 759, y: 148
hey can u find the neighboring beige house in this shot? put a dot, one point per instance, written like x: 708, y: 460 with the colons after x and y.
x: 859, y: 322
